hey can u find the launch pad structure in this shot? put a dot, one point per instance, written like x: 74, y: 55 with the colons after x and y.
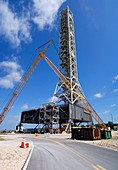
x: 67, y: 109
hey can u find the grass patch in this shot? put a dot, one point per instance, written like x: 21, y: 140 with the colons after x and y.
x: 1, y: 139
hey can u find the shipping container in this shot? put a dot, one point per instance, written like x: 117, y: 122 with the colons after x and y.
x: 86, y: 133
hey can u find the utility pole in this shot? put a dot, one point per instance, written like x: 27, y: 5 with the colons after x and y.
x: 111, y: 117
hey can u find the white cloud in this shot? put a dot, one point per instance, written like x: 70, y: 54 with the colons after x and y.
x: 10, y: 122
x: 53, y: 99
x: 106, y: 111
x: 25, y: 107
x: 98, y: 95
x: 13, y: 28
x: 45, y: 12
x: 112, y: 105
x: 115, y: 91
x: 115, y: 79
x: 34, y: 107
x: 12, y: 72
x: 16, y: 27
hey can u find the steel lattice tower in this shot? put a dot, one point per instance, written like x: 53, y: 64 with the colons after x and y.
x: 73, y: 107
x: 67, y: 57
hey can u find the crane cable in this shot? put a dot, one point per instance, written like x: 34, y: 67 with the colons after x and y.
x: 55, y: 48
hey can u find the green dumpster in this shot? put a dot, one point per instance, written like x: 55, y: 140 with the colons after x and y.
x: 109, y: 136
x: 106, y: 134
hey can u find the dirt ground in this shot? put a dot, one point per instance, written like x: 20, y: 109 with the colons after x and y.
x: 109, y: 143
x: 13, y: 157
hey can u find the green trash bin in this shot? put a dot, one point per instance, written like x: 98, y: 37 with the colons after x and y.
x: 106, y: 134
x: 109, y: 136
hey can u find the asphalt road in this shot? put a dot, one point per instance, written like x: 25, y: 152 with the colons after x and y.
x: 67, y: 154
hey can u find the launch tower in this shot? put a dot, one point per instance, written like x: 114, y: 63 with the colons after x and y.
x: 67, y: 57
x: 68, y: 66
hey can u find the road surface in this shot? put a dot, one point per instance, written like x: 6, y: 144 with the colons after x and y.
x: 67, y: 154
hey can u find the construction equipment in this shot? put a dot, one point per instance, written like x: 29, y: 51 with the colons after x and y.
x: 77, y: 94
x: 23, y: 81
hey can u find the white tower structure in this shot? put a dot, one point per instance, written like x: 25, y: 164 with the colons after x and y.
x: 67, y: 57
x: 72, y: 105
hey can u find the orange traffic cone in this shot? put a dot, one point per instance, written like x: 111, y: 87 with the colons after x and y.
x: 23, y: 143
x: 35, y: 135
x: 27, y: 145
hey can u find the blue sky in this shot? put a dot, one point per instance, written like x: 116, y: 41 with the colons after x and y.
x: 25, y: 25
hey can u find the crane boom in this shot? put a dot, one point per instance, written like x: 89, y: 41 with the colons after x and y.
x: 22, y: 82
x: 77, y: 94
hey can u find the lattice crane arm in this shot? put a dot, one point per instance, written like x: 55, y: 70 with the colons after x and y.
x: 22, y: 82
x: 80, y: 97
x: 77, y: 94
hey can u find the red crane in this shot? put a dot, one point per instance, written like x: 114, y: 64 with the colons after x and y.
x: 80, y: 97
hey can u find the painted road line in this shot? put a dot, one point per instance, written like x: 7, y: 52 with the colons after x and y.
x: 99, y: 166
x: 95, y: 167
x: 28, y: 159
x: 59, y: 143
x: 75, y: 152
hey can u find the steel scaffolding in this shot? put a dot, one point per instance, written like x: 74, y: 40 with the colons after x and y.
x: 49, y: 115
x: 67, y: 57
x: 68, y: 66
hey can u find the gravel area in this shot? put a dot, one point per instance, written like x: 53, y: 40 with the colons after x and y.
x: 12, y: 156
x: 108, y: 143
